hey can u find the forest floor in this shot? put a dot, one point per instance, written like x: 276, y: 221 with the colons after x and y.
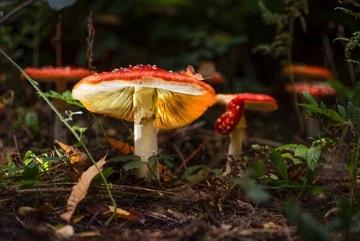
x: 193, y: 200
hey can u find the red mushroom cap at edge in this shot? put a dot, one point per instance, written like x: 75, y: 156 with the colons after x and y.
x: 315, y: 89
x: 49, y: 73
x: 308, y: 71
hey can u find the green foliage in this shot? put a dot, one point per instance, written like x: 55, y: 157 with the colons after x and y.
x: 342, y: 117
x: 284, y: 27
x: 279, y: 163
x: 26, y: 118
x: 137, y: 163
x: 65, y: 96
x: 352, y: 43
x: 307, y: 227
x: 253, y: 190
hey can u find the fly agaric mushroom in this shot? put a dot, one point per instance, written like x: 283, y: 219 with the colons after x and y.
x: 150, y: 97
x: 61, y: 76
x: 233, y: 122
x: 310, y: 78
x: 316, y: 89
x: 308, y: 72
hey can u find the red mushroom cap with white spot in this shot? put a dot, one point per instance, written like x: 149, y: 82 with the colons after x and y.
x: 236, y: 106
x: 228, y: 121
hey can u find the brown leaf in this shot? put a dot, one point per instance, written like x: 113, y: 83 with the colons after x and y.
x: 121, y: 146
x: 131, y: 215
x: 75, y: 155
x: 80, y: 189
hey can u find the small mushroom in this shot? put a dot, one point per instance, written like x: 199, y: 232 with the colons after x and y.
x: 61, y: 76
x: 317, y: 90
x: 233, y: 122
x: 308, y: 72
x: 310, y: 78
x: 150, y: 97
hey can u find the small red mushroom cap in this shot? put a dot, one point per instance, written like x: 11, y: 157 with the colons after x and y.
x: 315, y: 89
x: 235, y: 109
x: 228, y: 121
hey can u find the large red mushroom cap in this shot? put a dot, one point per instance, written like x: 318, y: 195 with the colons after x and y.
x: 179, y: 98
x: 236, y: 106
x: 308, y: 71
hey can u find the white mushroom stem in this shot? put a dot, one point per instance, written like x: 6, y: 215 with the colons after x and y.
x: 145, y: 136
x: 237, y: 137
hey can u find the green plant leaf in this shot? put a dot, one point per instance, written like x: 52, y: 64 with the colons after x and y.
x: 97, y: 180
x: 30, y: 175
x: 134, y: 164
x: 313, y: 156
x: 65, y: 96
x: 315, y: 109
x: 196, y: 173
x: 301, y: 151
x: 310, y: 98
x: 334, y: 116
x: 253, y: 190
x: 279, y: 163
x: 342, y: 112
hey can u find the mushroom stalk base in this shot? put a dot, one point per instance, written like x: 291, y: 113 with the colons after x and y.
x: 145, y: 133
x: 235, y: 147
x: 146, y: 146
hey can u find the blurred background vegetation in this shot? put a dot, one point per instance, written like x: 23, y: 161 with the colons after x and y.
x: 175, y: 33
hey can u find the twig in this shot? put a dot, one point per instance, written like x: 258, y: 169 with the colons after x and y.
x: 192, y: 154
x: 58, y: 41
x: 90, y: 42
x: 35, y: 85
x: 15, y: 10
x: 43, y: 190
x: 17, y: 146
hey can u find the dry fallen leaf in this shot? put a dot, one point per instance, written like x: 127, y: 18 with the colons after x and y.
x: 75, y: 155
x: 131, y: 215
x: 80, y: 189
x: 65, y: 231
x: 208, y: 70
x: 121, y: 146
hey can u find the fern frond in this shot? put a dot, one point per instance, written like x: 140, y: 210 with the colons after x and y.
x: 269, y: 17
x: 356, y: 15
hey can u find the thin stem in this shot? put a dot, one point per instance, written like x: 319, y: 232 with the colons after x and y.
x: 292, y: 79
x: 15, y: 10
x: 35, y: 85
x: 58, y: 41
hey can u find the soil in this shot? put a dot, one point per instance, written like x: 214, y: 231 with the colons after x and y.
x: 192, y: 201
